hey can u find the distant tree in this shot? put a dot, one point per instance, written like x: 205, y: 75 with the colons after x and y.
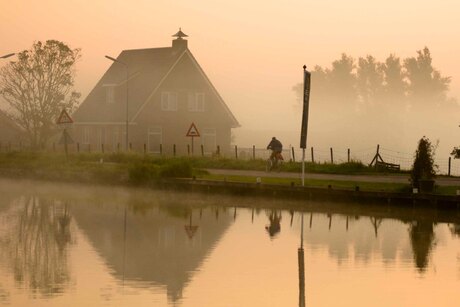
x: 369, y: 80
x: 426, y: 86
x: 342, y: 80
x: 38, y: 86
x: 394, y: 82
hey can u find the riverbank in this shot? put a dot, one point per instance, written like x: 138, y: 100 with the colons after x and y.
x: 183, y: 173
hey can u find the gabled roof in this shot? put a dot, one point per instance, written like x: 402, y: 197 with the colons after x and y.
x: 148, y: 68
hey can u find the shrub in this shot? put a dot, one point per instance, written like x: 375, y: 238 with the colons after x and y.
x: 423, y: 167
x: 176, y: 169
x: 141, y: 173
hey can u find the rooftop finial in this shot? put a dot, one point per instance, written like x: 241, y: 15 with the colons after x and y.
x: 180, y: 34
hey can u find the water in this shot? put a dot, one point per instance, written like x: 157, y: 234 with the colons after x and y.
x: 63, y: 245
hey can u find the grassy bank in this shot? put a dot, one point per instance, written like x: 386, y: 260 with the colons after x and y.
x: 138, y: 169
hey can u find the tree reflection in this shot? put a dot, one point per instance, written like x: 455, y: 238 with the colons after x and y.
x: 37, y: 247
x: 421, y: 237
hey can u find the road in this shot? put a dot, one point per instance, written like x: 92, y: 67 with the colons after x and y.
x: 441, y: 181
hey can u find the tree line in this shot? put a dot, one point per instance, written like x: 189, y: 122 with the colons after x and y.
x: 368, y: 83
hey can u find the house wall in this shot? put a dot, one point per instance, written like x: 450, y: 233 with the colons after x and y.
x: 212, y: 122
x: 154, y: 125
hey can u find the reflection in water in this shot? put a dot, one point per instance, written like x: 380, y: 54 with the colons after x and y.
x: 37, y: 236
x: 421, y: 238
x: 275, y: 223
x: 167, y: 244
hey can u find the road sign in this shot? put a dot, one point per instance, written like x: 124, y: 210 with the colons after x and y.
x: 193, y: 131
x: 191, y: 230
x: 65, y: 138
x: 64, y: 118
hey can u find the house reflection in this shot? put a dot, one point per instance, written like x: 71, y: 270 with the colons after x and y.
x: 155, y: 245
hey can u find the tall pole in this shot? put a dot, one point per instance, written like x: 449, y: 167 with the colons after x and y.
x: 127, y: 115
x: 304, y: 127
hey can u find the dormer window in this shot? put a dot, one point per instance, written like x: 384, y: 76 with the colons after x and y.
x: 109, y: 93
x: 169, y: 101
x: 196, y: 102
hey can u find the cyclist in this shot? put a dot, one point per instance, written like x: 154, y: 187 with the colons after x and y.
x: 276, y: 147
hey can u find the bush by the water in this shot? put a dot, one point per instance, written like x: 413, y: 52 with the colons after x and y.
x: 176, y: 169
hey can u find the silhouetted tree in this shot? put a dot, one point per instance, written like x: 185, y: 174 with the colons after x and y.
x: 426, y: 86
x: 342, y: 80
x: 394, y: 83
x: 369, y: 80
x: 38, y: 86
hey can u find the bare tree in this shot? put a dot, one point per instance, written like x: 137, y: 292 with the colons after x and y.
x: 38, y: 86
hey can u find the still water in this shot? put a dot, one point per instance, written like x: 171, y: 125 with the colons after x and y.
x: 64, y: 245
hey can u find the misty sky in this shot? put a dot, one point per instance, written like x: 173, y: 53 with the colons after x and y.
x: 253, y: 51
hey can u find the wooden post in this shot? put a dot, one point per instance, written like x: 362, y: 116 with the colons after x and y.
x: 89, y: 147
x: 78, y: 147
x: 145, y: 148
x: 253, y: 152
x: 202, y: 150
x: 236, y: 152
x: 174, y: 150
x: 448, y: 173
x: 161, y: 149
x: 188, y: 149
x: 293, y: 154
x: 312, y: 155
x: 118, y: 147
x: 348, y: 155
x: 102, y: 147
x: 130, y: 146
x: 332, y: 156
x: 218, y: 150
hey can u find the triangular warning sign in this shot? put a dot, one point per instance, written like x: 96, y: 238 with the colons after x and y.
x: 190, y: 230
x: 192, y: 131
x: 64, y: 118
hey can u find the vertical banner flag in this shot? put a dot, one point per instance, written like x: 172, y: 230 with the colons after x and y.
x: 306, y: 99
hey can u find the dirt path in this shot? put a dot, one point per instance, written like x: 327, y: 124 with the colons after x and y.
x: 442, y: 181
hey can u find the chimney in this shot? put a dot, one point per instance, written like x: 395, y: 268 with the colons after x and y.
x: 179, y: 43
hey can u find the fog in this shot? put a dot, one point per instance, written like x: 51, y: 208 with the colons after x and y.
x: 253, y: 53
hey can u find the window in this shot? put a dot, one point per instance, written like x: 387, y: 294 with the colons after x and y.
x: 85, y: 135
x: 169, y: 101
x: 109, y: 93
x: 155, y: 138
x: 196, y: 102
x: 208, y: 137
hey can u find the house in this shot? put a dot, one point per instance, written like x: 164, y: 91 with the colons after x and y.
x: 11, y: 134
x: 155, y: 94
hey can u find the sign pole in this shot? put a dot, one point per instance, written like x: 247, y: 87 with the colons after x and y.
x: 65, y: 144
x: 303, y: 131
x: 192, y: 144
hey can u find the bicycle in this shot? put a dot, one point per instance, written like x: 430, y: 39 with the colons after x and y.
x: 274, y: 162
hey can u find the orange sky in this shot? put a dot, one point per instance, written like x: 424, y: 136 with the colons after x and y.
x: 253, y: 51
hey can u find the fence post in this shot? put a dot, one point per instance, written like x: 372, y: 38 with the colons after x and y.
x: 89, y: 147
x: 78, y: 147
x: 253, y: 152
x: 448, y: 173
x: 102, y: 147
x: 174, y: 150
x: 348, y: 155
x: 118, y: 147
x: 236, y: 152
x: 145, y: 148
x: 202, y: 150
x: 54, y: 147
x: 161, y: 149
x: 293, y: 154
x: 188, y: 149
x: 332, y: 156
x: 130, y: 146
x: 312, y: 155
x: 218, y: 150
